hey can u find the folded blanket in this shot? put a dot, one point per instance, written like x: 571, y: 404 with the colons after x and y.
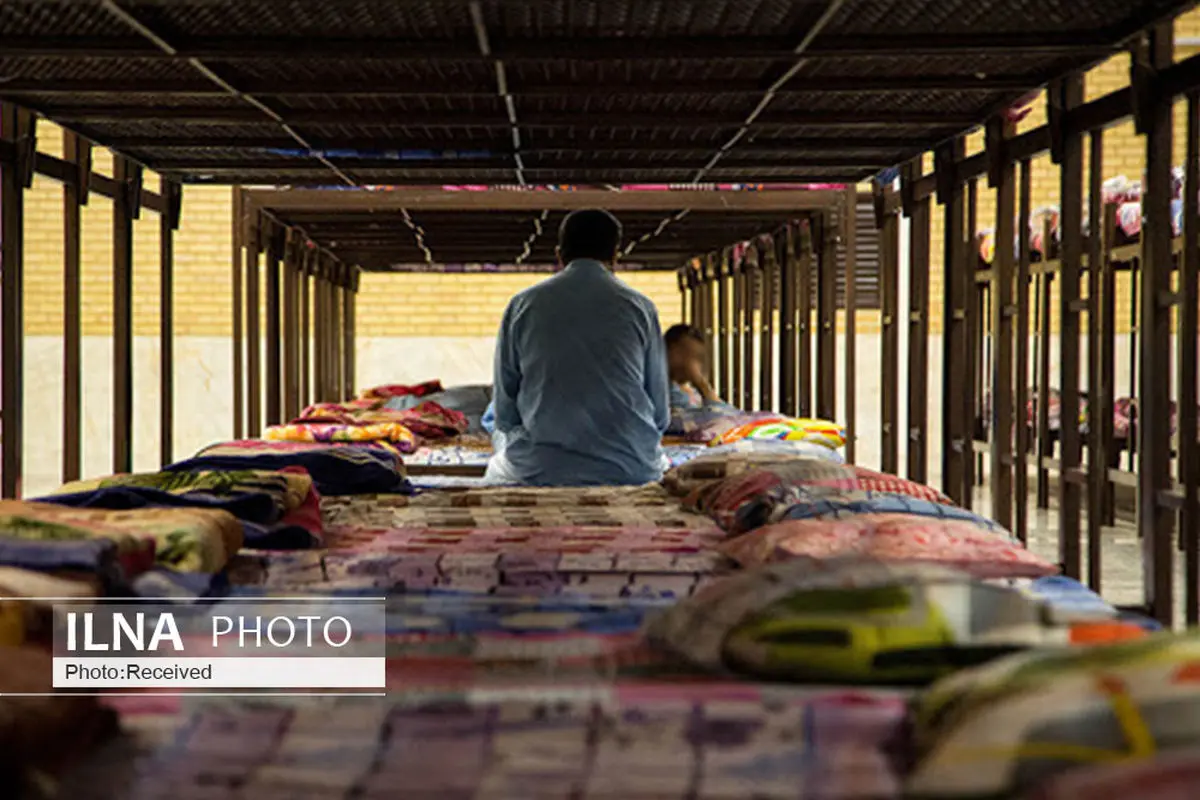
x: 94, y: 559
x: 254, y: 495
x: 186, y: 539
x: 336, y: 469
x: 330, y: 432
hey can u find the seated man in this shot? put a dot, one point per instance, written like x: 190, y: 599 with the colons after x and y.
x: 581, y: 394
x: 685, y: 366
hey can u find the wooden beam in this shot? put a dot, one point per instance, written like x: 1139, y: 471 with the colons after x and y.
x: 437, y: 199
x: 827, y: 321
x: 274, y: 328
x: 766, y: 348
x: 698, y: 48
x: 920, y: 235
x: 19, y: 87
x: 955, y: 452
x: 1099, y: 412
x: 239, y: 353
x: 889, y: 288
x: 168, y: 224
x: 1154, y: 52
x: 849, y: 218
x: 75, y: 151
x: 1021, y: 386
x: 1003, y: 310
x: 254, y: 395
x: 1069, y: 95
x: 125, y: 174
x: 785, y: 258
x: 13, y: 126
x: 1189, y: 320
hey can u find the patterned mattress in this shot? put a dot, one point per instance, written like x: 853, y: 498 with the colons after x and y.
x: 711, y: 741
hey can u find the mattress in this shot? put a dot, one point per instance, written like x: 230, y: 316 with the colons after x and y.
x: 707, y: 741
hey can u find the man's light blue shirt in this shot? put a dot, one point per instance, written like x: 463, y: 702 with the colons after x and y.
x: 581, y: 391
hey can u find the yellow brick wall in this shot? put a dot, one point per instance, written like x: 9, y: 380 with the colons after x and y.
x: 412, y: 304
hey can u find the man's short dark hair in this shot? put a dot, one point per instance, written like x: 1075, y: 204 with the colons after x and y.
x: 677, y: 333
x: 589, y: 233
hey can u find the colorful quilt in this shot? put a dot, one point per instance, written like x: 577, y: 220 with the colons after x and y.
x: 711, y: 742
x: 331, y: 433
x: 185, y: 539
x: 336, y: 469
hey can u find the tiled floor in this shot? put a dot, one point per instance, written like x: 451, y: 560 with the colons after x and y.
x: 1121, y: 578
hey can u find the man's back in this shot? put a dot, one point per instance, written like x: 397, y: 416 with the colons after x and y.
x: 581, y: 388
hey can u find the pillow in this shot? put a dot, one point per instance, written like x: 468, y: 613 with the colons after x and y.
x: 719, y: 463
x: 851, y: 620
x: 825, y: 503
x: 890, y: 537
x: 1011, y: 725
x: 763, y: 495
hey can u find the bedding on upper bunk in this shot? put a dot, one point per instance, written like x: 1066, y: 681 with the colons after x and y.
x: 336, y: 469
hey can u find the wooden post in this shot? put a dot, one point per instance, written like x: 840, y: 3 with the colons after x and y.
x: 168, y: 223
x: 770, y: 293
x: 1068, y: 94
x: 1003, y: 177
x: 918, y: 340
x: 1189, y: 294
x: 239, y: 352
x: 15, y: 127
x: 274, y: 337
x: 291, y: 327
x: 1099, y: 411
x: 787, y: 324
x: 125, y: 209
x: 801, y: 246
x: 254, y: 237
x: 827, y: 323
x: 78, y: 153
x: 1021, y: 387
x: 724, y: 278
x: 751, y: 294
x: 349, y: 300
x: 849, y: 216
x: 1154, y: 52
x: 954, y: 333
x: 337, y: 372
x: 305, y: 268
x: 889, y: 287
x: 972, y: 342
